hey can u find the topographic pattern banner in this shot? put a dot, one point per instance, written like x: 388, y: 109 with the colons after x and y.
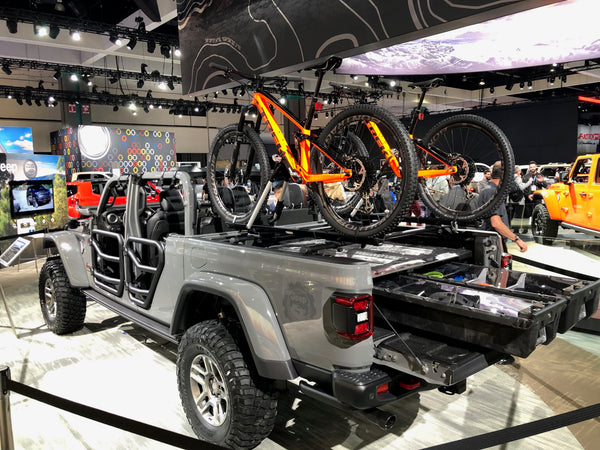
x: 260, y: 36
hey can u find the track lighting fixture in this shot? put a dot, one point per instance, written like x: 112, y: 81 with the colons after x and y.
x: 56, y: 75
x: 151, y: 45
x: 165, y: 50
x: 140, y: 83
x: 149, y: 93
x: 521, y: 85
x: 563, y: 78
x: 132, y: 43
x: 141, y: 25
x: 7, y: 94
x: 224, y: 91
x: 482, y: 82
x: 38, y: 102
x: 492, y: 89
x: 11, y: 24
x: 170, y: 84
x: 94, y: 90
x: 162, y: 85
x: 113, y: 80
x: 75, y: 35
x: 53, y: 31
x: 41, y: 85
x: 115, y: 108
x: 19, y: 99
x: 177, y: 52
x: 6, y: 69
x: 73, y: 77
x: 529, y: 84
x: 509, y: 85
x: 143, y: 70
x: 40, y: 30
x: 114, y: 38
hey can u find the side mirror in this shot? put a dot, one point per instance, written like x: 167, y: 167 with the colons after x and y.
x: 564, y: 176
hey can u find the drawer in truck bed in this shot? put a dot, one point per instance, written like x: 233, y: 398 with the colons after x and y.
x: 508, y: 311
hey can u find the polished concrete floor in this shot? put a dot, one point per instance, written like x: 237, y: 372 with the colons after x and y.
x: 115, y: 366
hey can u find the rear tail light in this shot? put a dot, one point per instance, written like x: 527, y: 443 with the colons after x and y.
x: 506, y: 261
x: 353, y: 316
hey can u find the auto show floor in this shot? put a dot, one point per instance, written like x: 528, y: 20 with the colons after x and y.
x: 118, y: 367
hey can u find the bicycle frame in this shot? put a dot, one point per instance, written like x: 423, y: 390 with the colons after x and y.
x: 265, y: 103
x: 432, y: 151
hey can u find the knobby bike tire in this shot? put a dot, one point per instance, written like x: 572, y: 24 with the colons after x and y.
x: 357, y: 207
x: 233, y: 191
x: 470, y: 138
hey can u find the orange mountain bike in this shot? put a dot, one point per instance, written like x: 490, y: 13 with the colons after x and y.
x: 363, y: 150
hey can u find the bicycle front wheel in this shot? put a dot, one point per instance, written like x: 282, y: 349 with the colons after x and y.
x: 238, y: 170
x: 465, y: 139
x: 374, y: 199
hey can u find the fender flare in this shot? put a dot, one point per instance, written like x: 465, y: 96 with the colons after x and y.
x: 548, y: 198
x: 256, y: 315
x: 69, y: 250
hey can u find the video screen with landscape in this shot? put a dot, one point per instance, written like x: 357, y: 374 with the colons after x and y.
x: 31, y: 197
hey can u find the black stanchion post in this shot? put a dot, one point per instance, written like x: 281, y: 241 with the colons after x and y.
x: 6, y: 436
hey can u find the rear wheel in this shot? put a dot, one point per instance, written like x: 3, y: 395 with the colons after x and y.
x: 238, y: 170
x: 466, y: 139
x: 543, y: 227
x: 63, y: 306
x: 223, y: 400
x: 373, y: 200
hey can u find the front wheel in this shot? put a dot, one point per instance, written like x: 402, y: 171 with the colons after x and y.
x: 238, y: 170
x: 374, y: 199
x: 465, y: 139
x: 542, y: 226
x: 63, y: 306
x: 224, y: 403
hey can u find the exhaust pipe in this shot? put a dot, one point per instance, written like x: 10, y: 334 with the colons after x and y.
x: 382, y: 419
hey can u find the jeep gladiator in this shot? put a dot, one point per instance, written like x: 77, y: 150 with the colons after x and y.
x: 358, y: 323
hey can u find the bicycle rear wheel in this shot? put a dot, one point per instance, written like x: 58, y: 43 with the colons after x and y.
x: 373, y: 200
x: 466, y: 139
x: 238, y: 170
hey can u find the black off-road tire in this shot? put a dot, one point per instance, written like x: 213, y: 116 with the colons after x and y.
x: 63, y: 306
x: 543, y: 228
x: 248, y: 402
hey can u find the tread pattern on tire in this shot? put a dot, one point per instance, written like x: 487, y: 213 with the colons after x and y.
x: 70, y: 301
x: 507, y: 158
x: 542, y: 225
x: 253, y: 399
x: 404, y: 196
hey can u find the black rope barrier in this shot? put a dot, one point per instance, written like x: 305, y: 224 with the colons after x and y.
x: 114, y: 420
x: 522, y: 431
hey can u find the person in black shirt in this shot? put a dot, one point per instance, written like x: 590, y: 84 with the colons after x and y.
x: 498, y: 221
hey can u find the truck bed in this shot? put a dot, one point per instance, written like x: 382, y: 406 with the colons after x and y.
x: 439, y: 297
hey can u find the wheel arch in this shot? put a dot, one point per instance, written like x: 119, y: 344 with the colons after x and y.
x: 548, y: 198
x: 201, y: 300
x: 68, y: 247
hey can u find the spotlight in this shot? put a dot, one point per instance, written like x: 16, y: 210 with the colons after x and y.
x: 40, y: 30
x: 146, y: 110
x: 11, y: 24
x: 140, y: 83
x: 492, y: 89
x: 95, y: 90
x: 19, y: 99
x: 73, y: 77
x: 521, y: 85
x: 38, y: 102
x: 165, y: 50
x: 7, y: 94
x: 551, y: 80
x: 28, y: 101
x: 149, y: 94
x: 115, y: 108
x: 41, y: 85
x: 56, y: 75
x: 6, y: 69
x: 177, y: 52
x: 143, y: 70
x: 282, y: 100
x: 563, y: 78
x: 53, y: 31
x: 482, y: 82
x: 132, y: 43
x: 151, y: 46
x: 75, y: 35
x: 113, y: 80
x: 354, y: 77
x: 170, y: 84
x: 114, y: 38
x: 224, y: 91
x: 162, y: 85
x: 59, y: 6
x: 51, y: 99
x: 141, y: 24
x: 529, y: 85
x: 509, y: 85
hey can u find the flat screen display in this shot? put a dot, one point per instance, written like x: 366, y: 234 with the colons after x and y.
x: 31, y: 197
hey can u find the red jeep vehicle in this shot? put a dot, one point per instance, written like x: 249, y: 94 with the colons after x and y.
x: 573, y: 203
x: 87, y: 193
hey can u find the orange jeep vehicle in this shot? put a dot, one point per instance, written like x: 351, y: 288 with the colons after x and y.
x: 573, y: 203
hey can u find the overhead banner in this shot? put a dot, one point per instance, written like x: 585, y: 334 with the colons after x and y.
x: 588, y: 139
x: 262, y: 36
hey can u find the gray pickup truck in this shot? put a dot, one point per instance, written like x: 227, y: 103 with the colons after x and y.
x: 355, y: 324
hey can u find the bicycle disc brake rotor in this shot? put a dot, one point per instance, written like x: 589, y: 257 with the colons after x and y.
x: 465, y: 169
x: 359, y: 175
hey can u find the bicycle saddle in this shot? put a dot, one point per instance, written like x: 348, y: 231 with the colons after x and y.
x: 433, y: 82
x: 330, y: 64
